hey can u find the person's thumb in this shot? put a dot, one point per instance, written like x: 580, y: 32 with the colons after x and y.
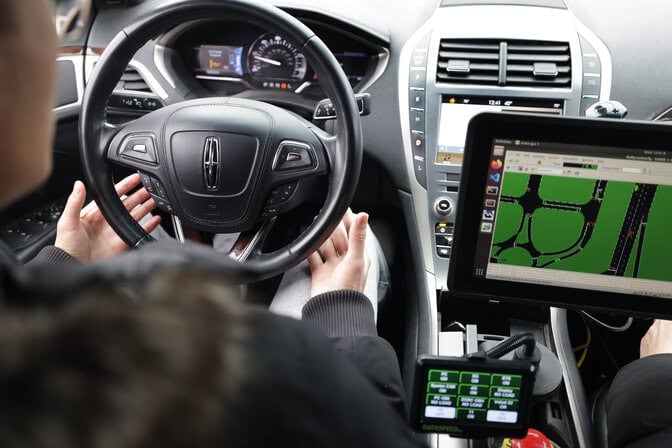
x: 357, y: 236
x: 70, y: 218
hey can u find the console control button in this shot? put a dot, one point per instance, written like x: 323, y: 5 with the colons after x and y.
x: 591, y: 84
x: 419, y: 58
x: 418, y: 120
x: 417, y: 98
x: 443, y: 207
x: 417, y: 78
x: 444, y: 240
x: 443, y: 252
x: 418, y: 141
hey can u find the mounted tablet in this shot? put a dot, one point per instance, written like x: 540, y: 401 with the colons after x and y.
x: 569, y: 212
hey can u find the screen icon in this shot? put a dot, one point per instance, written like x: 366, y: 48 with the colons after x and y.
x: 486, y: 227
x: 489, y: 215
x: 490, y: 203
x: 493, y: 190
x: 496, y: 177
x: 496, y: 164
x: 498, y: 150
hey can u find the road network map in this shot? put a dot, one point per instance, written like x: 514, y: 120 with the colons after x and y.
x: 584, y: 225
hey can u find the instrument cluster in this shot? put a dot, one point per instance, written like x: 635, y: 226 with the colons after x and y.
x: 228, y: 58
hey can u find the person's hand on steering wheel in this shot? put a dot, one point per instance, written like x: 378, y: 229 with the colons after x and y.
x: 83, y: 232
x: 342, y: 261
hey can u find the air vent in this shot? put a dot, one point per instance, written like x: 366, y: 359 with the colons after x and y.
x: 504, y: 63
x: 538, y: 64
x: 468, y: 61
x: 132, y: 81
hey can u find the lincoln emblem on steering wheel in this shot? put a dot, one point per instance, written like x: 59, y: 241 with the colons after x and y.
x: 211, y: 160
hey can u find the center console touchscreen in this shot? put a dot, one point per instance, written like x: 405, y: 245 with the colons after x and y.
x: 456, y: 111
x: 566, y: 211
x: 472, y: 398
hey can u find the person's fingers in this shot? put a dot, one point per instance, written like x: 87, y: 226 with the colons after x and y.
x: 69, y: 220
x: 314, y: 261
x: 122, y: 187
x: 143, y: 209
x: 152, y: 224
x: 357, y: 236
x: 127, y: 184
x: 136, y: 199
x: 348, y: 219
x: 327, y: 250
x: 340, y: 239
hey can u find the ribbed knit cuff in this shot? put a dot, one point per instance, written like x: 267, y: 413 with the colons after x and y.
x: 52, y: 255
x: 341, y: 313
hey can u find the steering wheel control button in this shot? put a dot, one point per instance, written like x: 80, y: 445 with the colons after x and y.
x: 158, y: 189
x: 294, y: 156
x: 163, y: 204
x: 147, y: 183
x: 280, y: 195
x: 443, y: 207
x: 139, y: 147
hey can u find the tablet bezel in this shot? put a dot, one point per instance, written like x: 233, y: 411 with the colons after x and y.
x: 482, y: 131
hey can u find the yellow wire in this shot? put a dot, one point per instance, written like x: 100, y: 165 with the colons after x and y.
x: 584, y: 346
x: 579, y: 363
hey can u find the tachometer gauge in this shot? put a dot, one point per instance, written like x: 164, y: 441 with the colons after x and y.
x: 274, y: 58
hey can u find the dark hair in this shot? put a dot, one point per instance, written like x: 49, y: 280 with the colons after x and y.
x: 108, y: 370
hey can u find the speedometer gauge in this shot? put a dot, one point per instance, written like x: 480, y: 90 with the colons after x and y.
x: 274, y: 58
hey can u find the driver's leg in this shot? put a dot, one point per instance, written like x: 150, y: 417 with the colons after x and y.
x: 294, y: 290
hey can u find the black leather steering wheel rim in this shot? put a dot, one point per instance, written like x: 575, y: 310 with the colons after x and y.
x: 344, y: 162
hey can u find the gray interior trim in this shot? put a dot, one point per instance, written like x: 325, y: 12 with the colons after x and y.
x: 72, y: 109
x: 576, y: 395
x: 419, y: 194
x: 381, y: 66
x: 602, y: 52
x: 149, y: 78
x: 160, y: 58
x: 559, y: 4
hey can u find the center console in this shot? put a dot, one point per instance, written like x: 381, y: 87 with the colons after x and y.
x: 471, y: 57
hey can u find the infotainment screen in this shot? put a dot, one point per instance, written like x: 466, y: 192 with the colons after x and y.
x: 457, y: 111
x: 567, y: 211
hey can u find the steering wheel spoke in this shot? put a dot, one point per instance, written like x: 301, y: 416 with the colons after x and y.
x: 247, y: 248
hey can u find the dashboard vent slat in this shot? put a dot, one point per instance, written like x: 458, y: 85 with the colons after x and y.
x: 468, y: 61
x: 133, y: 81
x: 528, y: 63
x: 538, y: 64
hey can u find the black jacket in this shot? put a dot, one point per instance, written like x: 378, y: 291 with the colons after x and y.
x: 300, y: 392
x: 639, y: 404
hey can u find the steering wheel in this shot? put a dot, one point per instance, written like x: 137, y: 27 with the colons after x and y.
x: 215, y: 164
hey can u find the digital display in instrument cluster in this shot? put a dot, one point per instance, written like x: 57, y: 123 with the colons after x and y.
x: 220, y: 60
